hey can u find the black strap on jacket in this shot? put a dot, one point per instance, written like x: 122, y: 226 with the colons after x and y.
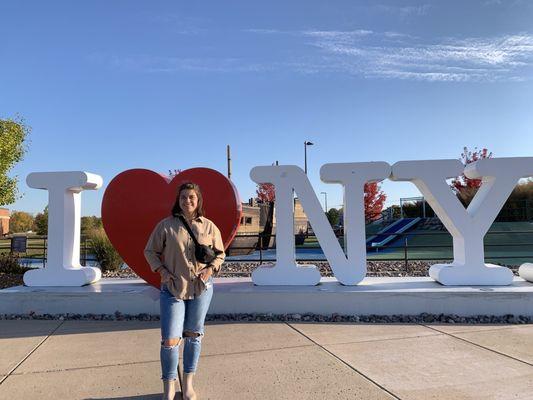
x: 204, y: 254
x: 184, y: 221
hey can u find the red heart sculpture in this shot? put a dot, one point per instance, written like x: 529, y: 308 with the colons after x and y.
x: 137, y: 199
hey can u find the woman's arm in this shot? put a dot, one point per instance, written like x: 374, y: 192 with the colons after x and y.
x: 154, y: 250
x: 218, y: 247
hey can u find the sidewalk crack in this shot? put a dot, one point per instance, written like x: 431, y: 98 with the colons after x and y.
x: 86, y: 367
x: 3, y: 379
x: 345, y: 363
x: 479, y: 345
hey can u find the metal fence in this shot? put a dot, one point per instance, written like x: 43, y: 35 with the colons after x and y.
x: 37, y: 248
x: 403, y: 247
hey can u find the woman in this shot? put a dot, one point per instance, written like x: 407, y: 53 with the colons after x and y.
x: 186, y: 284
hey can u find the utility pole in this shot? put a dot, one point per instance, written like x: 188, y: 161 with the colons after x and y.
x: 306, y: 143
x: 229, y: 161
x: 325, y: 200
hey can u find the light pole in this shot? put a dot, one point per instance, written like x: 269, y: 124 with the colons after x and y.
x: 228, y: 150
x: 306, y: 143
x: 325, y: 200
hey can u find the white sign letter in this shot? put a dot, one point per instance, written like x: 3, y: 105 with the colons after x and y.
x: 467, y: 226
x: 285, y: 271
x: 350, y: 270
x: 287, y: 178
x: 526, y: 272
x: 64, y: 208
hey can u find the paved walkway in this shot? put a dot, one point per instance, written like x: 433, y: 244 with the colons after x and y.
x: 120, y: 360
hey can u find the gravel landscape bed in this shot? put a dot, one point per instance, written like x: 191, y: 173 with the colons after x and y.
x: 244, y: 269
x: 374, y: 268
x: 423, y: 318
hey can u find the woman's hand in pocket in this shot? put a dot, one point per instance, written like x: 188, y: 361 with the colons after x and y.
x: 165, y: 275
x: 206, y: 273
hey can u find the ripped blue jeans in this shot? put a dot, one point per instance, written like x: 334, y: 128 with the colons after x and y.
x: 179, y: 316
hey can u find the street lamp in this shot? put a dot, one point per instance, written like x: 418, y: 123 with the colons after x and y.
x: 325, y: 200
x: 306, y: 143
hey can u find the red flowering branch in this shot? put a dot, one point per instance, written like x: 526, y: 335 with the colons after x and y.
x: 374, y: 201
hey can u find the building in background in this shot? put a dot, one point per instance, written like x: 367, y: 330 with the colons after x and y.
x: 301, y: 223
x: 250, y: 219
x: 4, y: 221
x: 253, y: 221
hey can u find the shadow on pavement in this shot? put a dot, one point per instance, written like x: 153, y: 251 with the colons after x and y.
x: 10, y: 329
x: 29, y: 328
x: 156, y: 396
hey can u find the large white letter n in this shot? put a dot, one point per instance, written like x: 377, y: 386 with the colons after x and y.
x: 349, y: 269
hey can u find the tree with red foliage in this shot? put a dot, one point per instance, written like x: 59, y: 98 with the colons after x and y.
x: 266, y: 193
x: 466, y: 188
x: 373, y: 201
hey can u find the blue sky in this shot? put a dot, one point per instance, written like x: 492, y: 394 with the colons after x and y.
x: 113, y: 85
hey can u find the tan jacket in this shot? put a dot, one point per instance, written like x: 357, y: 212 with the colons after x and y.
x: 170, y: 247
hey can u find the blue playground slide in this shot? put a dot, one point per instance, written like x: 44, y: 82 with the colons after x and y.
x: 386, y: 235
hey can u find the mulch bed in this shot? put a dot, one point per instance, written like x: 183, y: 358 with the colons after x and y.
x: 8, y: 280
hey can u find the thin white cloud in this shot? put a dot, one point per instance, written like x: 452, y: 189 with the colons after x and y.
x: 397, y: 35
x: 337, y: 34
x: 367, y: 54
x: 147, y: 63
x: 327, y: 34
x: 473, y: 59
x: 404, y: 11
x: 265, y: 31
x: 506, y: 3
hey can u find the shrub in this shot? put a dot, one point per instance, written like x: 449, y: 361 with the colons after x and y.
x: 299, y: 238
x: 10, y: 264
x: 105, y: 254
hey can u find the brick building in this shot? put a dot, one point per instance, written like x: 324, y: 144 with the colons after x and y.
x: 4, y: 221
x: 254, y: 217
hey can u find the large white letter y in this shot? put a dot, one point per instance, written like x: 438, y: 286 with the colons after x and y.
x: 467, y: 226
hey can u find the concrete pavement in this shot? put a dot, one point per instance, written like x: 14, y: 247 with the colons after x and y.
x: 120, y: 360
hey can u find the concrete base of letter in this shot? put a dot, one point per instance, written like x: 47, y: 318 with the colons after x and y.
x: 377, y: 296
x: 270, y: 274
x: 68, y: 277
x: 526, y: 272
x: 460, y: 275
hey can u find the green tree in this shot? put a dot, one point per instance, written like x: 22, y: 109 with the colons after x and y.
x: 20, y: 221
x: 90, y: 223
x: 105, y: 254
x: 333, y: 216
x: 13, y: 137
x: 40, y: 225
